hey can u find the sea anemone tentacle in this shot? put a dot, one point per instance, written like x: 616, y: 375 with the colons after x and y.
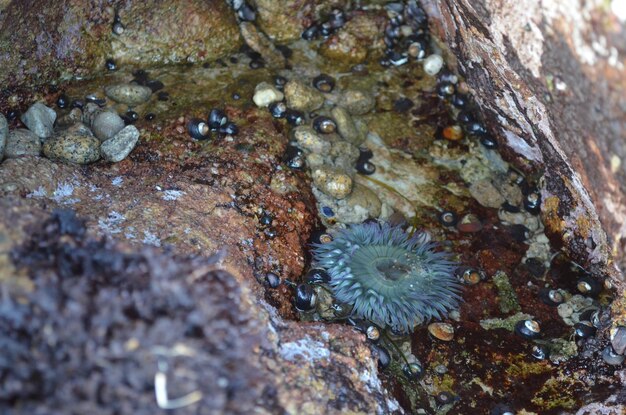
x: 390, y: 278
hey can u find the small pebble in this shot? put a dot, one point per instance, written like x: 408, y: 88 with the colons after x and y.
x: 469, y: 224
x: 357, y: 102
x: 106, y: 124
x: 302, y: 97
x: 118, y: 147
x: 308, y: 139
x: 74, y: 145
x: 618, y: 339
x: 266, y: 94
x: 433, y: 64
x: 39, y: 119
x: 22, y: 142
x: 453, y: 133
x: 346, y: 126
x: 129, y: 94
x: 333, y: 182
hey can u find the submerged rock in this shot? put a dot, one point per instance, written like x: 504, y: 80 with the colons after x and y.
x: 333, y: 182
x: 346, y: 126
x: 357, y: 101
x: 302, y: 97
x: 118, y: 147
x: 40, y: 120
x: 106, y: 124
x: 265, y: 94
x: 129, y: 94
x: 22, y: 142
x: 308, y: 139
x: 74, y: 145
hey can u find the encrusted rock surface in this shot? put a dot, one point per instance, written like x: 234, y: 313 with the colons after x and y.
x: 553, y: 98
x: 186, y: 318
x: 73, y: 37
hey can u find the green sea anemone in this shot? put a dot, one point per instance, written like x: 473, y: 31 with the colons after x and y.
x: 389, y: 277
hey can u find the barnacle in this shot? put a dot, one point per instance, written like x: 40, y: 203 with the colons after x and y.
x: 390, y: 278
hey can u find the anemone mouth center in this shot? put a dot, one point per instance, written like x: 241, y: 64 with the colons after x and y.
x: 391, y: 269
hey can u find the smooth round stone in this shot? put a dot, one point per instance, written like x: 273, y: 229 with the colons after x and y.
x: 4, y: 134
x: 129, y: 94
x: 74, y: 145
x: 346, y: 126
x: 302, y: 97
x: 22, y: 142
x: 357, y: 102
x: 40, y: 120
x: 308, y: 139
x: 333, y: 182
x: 118, y: 147
x: 433, y: 64
x: 265, y: 94
x: 106, y: 124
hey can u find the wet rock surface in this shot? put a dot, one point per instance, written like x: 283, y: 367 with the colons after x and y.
x: 542, y: 99
x: 40, y: 120
x: 157, y: 315
x: 74, y: 145
x: 129, y: 94
x: 118, y: 147
x: 22, y: 142
x: 67, y: 39
x: 251, y: 198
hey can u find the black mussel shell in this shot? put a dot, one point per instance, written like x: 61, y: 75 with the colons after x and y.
x: 217, y: 118
x: 230, y: 128
x: 305, y: 297
x: 278, y: 109
x: 365, y: 167
x: 324, y: 83
x: 198, y: 129
x: 528, y: 329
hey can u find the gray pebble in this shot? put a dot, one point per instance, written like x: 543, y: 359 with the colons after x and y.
x: 22, y: 142
x: 119, y: 146
x: 40, y: 120
x: 106, y: 124
x: 74, y: 145
x: 346, y: 126
x: 302, y: 97
x: 129, y: 94
x: 4, y: 132
x: 333, y: 182
x: 357, y: 102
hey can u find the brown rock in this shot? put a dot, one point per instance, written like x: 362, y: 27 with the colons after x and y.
x: 40, y: 44
x: 302, y: 97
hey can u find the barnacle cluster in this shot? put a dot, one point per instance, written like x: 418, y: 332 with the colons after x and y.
x: 390, y: 278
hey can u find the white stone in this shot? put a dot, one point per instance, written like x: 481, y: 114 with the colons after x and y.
x: 265, y: 94
x: 433, y: 64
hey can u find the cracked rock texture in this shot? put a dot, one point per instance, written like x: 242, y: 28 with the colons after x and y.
x: 550, y: 78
